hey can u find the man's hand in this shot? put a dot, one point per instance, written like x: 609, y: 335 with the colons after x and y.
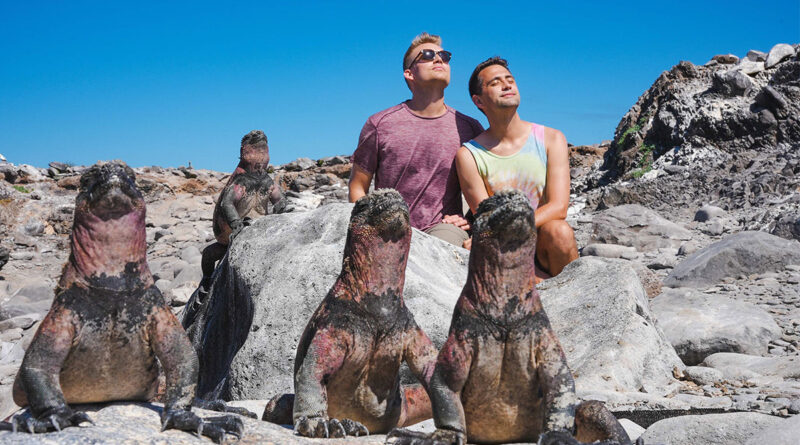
x: 458, y: 221
x: 467, y: 244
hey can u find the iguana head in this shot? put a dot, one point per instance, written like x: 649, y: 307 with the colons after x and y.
x: 503, y: 244
x: 108, y: 237
x: 378, y: 241
x: 108, y: 191
x: 254, y: 153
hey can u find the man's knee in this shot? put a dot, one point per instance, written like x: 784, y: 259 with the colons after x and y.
x: 557, y: 233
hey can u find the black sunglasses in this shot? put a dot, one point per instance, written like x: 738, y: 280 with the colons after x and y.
x: 429, y: 54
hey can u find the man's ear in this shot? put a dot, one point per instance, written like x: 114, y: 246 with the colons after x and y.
x: 477, y: 101
x: 407, y: 74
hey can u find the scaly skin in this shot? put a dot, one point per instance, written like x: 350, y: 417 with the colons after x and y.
x: 501, y: 375
x: 346, y: 374
x: 250, y: 192
x: 108, y: 323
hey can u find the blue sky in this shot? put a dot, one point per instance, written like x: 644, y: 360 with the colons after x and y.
x: 165, y: 83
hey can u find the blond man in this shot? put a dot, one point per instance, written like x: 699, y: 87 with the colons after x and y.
x: 411, y: 146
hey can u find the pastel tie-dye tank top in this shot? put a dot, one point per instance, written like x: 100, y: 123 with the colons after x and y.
x: 525, y: 170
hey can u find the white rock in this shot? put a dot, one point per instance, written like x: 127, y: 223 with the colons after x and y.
x: 606, y: 327
x: 606, y: 250
x: 743, y: 253
x: 637, y: 226
x: 633, y: 430
x: 786, y: 432
x: 190, y: 254
x: 703, y: 375
x: 742, y: 366
x: 709, y: 212
x: 778, y: 53
x: 699, y: 325
x: 732, y: 428
x: 750, y: 67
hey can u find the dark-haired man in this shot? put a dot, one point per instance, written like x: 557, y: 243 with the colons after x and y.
x: 513, y: 153
x: 411, y: 147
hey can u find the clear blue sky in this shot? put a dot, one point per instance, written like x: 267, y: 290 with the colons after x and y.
x: 164, y: 83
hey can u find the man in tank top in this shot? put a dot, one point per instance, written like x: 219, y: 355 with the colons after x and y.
x: 513, y: 153
x: 411, y: 147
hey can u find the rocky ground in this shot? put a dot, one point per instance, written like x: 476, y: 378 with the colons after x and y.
x: 697, y: 195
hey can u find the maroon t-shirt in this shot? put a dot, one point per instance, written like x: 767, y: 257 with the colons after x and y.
x: 416, y: 156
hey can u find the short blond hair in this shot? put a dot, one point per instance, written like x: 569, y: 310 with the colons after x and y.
x: 419, y: 40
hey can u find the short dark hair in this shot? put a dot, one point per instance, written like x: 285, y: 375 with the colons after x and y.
x: 475, y: 87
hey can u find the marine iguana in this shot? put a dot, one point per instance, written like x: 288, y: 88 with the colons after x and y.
x: 249, y: 192
x: 346, y: 372
x: 108, y: 323
x: 501, y: 375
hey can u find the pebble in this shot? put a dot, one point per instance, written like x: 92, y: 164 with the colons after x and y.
x: 22, y: 256
x: 22, y: 322
x: 703, y: 375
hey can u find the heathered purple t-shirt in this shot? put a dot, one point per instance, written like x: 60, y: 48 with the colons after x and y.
x: 416, y: 156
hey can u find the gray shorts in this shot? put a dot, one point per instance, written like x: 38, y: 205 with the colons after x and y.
x: 449, y: 233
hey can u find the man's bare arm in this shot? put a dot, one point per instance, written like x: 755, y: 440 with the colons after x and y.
x: 472, y: 185
x: 556, y: 190
x: 359, y: 183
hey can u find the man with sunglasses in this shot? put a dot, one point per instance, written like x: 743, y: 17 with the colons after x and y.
x: 411, y: 147
x: 513, y: 153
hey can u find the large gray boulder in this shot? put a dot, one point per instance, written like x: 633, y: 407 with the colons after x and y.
x: 600, y: 312
x: 278, y: 270
x: 637, y: 226
x: 699, y: 325
x: 742, y: 366
x: 743, y: 253
x: 275, y: 275
x: 732, y: 428
x: 786, y: 432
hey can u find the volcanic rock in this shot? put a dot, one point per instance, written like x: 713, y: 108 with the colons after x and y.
x: 732, y: 428
x: 637, y: 226
x: 699, y: 325
x: 742, y: 253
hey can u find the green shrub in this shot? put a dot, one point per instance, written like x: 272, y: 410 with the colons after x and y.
x: 21, y: 189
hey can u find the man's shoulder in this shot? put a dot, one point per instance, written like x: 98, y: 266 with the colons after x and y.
x: 473, y: 123
x: 382, y: 115
x: 464, y: 117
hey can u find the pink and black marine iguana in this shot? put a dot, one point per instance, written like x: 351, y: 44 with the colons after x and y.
x: 346, y: 372
x: 109, y: 327
x: 501, y: 375
x: 249, y: 192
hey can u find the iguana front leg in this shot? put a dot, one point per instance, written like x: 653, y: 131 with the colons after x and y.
x: 447, y: 381
x: 179, y: 361
x: 38, y: 384
x: 323, y: 357
x: 559, y: 398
